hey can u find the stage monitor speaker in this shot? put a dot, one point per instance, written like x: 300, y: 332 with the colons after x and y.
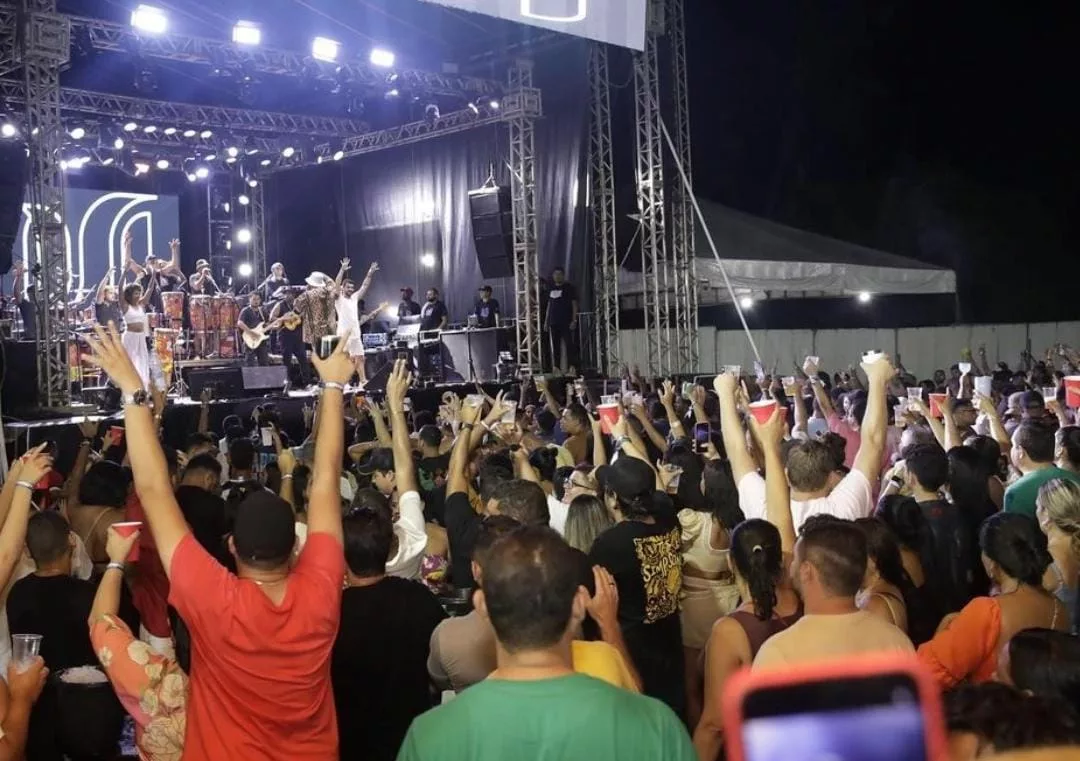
x: 224, y: 382
x: 263, y: 378
x: 14, y: 167
x: 493, y: 230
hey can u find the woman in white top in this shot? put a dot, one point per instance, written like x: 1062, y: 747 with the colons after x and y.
x: 136, y: 329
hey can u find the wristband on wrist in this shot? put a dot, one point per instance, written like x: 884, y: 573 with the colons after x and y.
x: 286, y: 475
x: 26, y: 485
x: 118, y: 566
x: 620, y: 441
x: 333, y: 384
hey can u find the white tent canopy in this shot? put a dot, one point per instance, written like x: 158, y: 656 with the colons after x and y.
x: 762, y: 256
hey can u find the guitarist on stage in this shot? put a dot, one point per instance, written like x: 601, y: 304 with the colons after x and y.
x: 252, y: 321
x: 291, y: 336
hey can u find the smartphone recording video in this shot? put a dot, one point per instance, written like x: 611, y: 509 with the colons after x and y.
x: 866, y: 710
x: 328, y: 345
x: 702, y: 432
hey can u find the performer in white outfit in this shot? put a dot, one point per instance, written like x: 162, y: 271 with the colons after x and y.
x: 136, y: 330
x: 348, y: 317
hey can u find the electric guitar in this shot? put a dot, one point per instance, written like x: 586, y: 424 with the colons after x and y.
x: 255, y: 337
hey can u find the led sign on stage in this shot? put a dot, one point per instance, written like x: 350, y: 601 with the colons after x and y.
x: 619, y: 22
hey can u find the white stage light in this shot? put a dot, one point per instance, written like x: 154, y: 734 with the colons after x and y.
x: 210, y: 157
x: 243, y: 200
x: 243, y: 235
x: 494, y: 105
x: 77, y: 133
x: 107, y: 161
x: 232, y: 151
x: 244, y: 269
x: 7, y: 129
x: 191, y: 177
x: 206, y: 134
x: 130, y: 127
x: 746, y: 302
x: 325, y: 49
x: 202, y: 172
x: 288, y: 151
x: 190, y: 133
x: 246, y: 33
x: 253, y: 183
x: 865, y: 297
x: 382, y: 57
x: 170, y: 130
x: 147, y: 18
x: 141, y: 167
x: 265, y: 162
x: 162, y: 163
x: 427, y: 260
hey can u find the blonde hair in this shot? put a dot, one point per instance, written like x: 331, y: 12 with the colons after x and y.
x: 1060, y: 498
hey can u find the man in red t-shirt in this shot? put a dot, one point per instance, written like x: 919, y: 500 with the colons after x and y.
x: 261, y: 640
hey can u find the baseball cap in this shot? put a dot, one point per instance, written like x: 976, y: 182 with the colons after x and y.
x: 407, y: 291
x: 627, y: 477
x: 485, y: 289
x: 265, y: 528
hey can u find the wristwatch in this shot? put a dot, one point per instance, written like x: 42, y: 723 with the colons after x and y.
x: 140, y: 398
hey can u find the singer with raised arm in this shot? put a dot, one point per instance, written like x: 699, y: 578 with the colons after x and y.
x: 348, y: 317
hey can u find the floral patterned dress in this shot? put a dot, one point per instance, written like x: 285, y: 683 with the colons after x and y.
x: 151, y: 687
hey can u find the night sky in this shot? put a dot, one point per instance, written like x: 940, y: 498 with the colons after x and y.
x: 942, y: 131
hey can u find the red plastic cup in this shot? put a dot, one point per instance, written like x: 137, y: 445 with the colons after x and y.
x: 1072, y: 391
x: 609, y: 416
x: 936, y: 401
x: 127, y: 529
x: 762, y: 410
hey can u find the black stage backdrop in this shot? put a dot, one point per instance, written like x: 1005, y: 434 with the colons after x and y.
x: 397, y: 205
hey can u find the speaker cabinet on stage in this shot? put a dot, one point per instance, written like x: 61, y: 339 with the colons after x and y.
x: 224, y: 382
x: 493, y: 230
x: 13, y: 175
x: 263, y: 378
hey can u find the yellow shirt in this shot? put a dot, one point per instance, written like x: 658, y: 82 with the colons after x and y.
x: 602, y: 661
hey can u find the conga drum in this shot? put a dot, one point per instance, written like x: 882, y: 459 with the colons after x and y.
x: 154, y: 319
x: 74, y: 351
x: 172, y: 303
x: 227, y: 344
x: 227, y: 312
x: 203, y: 314
x: 165, y: 349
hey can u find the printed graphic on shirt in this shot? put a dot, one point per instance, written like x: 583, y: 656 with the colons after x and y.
x: 661, y: 570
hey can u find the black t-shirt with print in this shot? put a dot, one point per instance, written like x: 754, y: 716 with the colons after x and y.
x: 431, y: 315
x: 379, y: 665
x: 646, y: 561
x: 561, y: 300
x: 486, y: 313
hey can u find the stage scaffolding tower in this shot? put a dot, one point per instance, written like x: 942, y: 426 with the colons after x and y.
x: 602, y: 179
x: 683, y: 249
x: 523, y: 104
x: 256, y: 215
x: 655, y: 269
x: 42, y: 44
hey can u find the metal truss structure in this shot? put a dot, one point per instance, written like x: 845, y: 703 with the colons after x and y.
x: 105, y: 35
x: 683, y: 248
x: 602, y: 183
x: 655, y: 270
x: 523, y: 105
x: 256, y: 219
x: 39, y: 45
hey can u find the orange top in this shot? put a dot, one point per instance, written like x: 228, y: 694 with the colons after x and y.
x: 966, y: 650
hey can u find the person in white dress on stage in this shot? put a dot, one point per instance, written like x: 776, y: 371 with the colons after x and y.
x: 136, y: 330
x: 348, y: 317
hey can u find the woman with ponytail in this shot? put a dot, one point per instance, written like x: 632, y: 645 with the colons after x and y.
x: 769, y: 606
x: 1015, y: 556
x: 1057, y: 509
x: 887, y: 590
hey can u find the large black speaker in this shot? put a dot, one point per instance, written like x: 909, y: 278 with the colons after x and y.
x: 13, y: 171
x: 267, y: 377
x: 493, y: 230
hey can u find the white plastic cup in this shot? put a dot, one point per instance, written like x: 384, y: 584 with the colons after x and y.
x: 984, y: 385
x: 915, y: 392
x: 24, y: 649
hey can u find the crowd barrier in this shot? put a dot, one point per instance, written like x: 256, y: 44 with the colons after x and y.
x: 922, y: 350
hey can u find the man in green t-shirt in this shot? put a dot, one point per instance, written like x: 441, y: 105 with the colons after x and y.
x: 1033, y: 455
x: 534, y: 705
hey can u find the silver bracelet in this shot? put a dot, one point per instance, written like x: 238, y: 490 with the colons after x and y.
x: 332, y: 384
x: 26, y: 485
x: 117, y: 566
x: 286, y: 475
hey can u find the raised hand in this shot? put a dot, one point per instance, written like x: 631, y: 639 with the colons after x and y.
x: 771, y: 432
x: 880, y: 371
x: 109, y: 354
x: 26, y: 686
x: 346, y: 264
x: 89, y: 428
x: 174, y: 244
x: 667, y: 393
x: 338, y: 367
x: 373, y: 268
x: 118, y: 547
x: 725, y: 384
x: 35, y: 464
x: 397, y: 386
x: 603, y: 606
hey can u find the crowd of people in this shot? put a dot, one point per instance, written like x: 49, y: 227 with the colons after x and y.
x: 515, y: 575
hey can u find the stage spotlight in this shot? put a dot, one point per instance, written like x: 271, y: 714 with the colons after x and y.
x: 431, y: 113
x: 210, y: 157
x: 288, y: 151
x: 337, y: 149
x: 865, y: 297
x: 149, y: 129
x: 147, y: 18
x: 8, y: 129
x: 107, y: 161
x: 427, y: 260
x: 265, y: 162
x: 162, y: 163
x: 243, y: 235
x: 475, y: 109
x: 202, y: 171
x: 77, y: 133
x: 746, y: 302
x: 250, y: 146
x: 243, y: 199
x: 231, y: 160
x: 141, y: 167
x: 190, y: 132
x: 232, y: 151
x: 206, y: 134
x: 170, y: 131
x: 246, y: 33
x: 191, y: 177
x: 382, y: 57
x: 494, y: 104
x: 244, y: 269
x: 325, y: 49
x: 393, y: 93
x: 130, y: 127
x: 253, y: 183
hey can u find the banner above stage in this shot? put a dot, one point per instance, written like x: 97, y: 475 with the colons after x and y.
x: 619, y: 22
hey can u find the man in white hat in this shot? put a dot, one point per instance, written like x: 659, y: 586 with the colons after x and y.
x: 316, y: 305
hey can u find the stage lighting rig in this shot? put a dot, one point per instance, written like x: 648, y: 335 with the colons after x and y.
x: 382, y: 57
x: 170, y: 131
x: 325, y: 49
x: 149, y: 19
x: 243, y: 237
x: 77, y: 132
x: 247, y: 33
